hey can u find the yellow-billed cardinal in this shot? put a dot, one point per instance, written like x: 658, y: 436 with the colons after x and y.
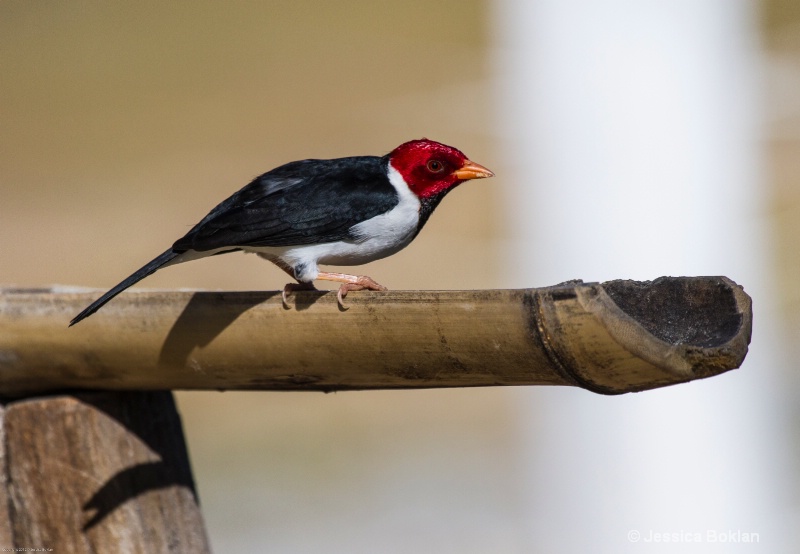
x: 347, y: 211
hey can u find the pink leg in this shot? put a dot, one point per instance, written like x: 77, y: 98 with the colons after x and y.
x: 350, y: 282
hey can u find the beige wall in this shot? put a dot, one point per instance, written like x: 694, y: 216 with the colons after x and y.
x: 781, y: 23
x: 123, y: 124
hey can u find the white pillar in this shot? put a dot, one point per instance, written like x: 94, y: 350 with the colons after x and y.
x: 629, y: 138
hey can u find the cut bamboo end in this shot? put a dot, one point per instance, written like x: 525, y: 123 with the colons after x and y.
x: 611, y: 338
x: 627, y: 336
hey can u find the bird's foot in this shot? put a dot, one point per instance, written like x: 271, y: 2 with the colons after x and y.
x: 361, y: 282
x: 294, y: 287
x: 349, y: 282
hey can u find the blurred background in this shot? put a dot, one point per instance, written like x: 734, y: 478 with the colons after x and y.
x: 630, y: 139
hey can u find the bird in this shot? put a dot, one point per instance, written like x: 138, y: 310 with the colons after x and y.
x: 342, y: 212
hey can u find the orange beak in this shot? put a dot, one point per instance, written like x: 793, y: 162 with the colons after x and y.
x: 471, y: 170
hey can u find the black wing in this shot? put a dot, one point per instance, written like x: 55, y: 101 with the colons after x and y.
x: 304, y: 202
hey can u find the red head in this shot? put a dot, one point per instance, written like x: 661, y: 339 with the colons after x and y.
x: 430, y: 168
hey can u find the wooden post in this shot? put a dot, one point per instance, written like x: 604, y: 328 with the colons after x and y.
x: 97, y: 472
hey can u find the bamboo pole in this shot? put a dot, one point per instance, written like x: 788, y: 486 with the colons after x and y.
x: 614, y: 337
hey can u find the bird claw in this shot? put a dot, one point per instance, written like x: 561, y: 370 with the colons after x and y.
x: 343, y: 290
x: 362, y: 283
x: 294, y: 287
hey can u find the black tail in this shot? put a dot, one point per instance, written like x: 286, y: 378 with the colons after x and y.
x: 148, y: 269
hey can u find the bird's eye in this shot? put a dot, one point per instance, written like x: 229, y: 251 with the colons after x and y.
x: 435, y: 166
